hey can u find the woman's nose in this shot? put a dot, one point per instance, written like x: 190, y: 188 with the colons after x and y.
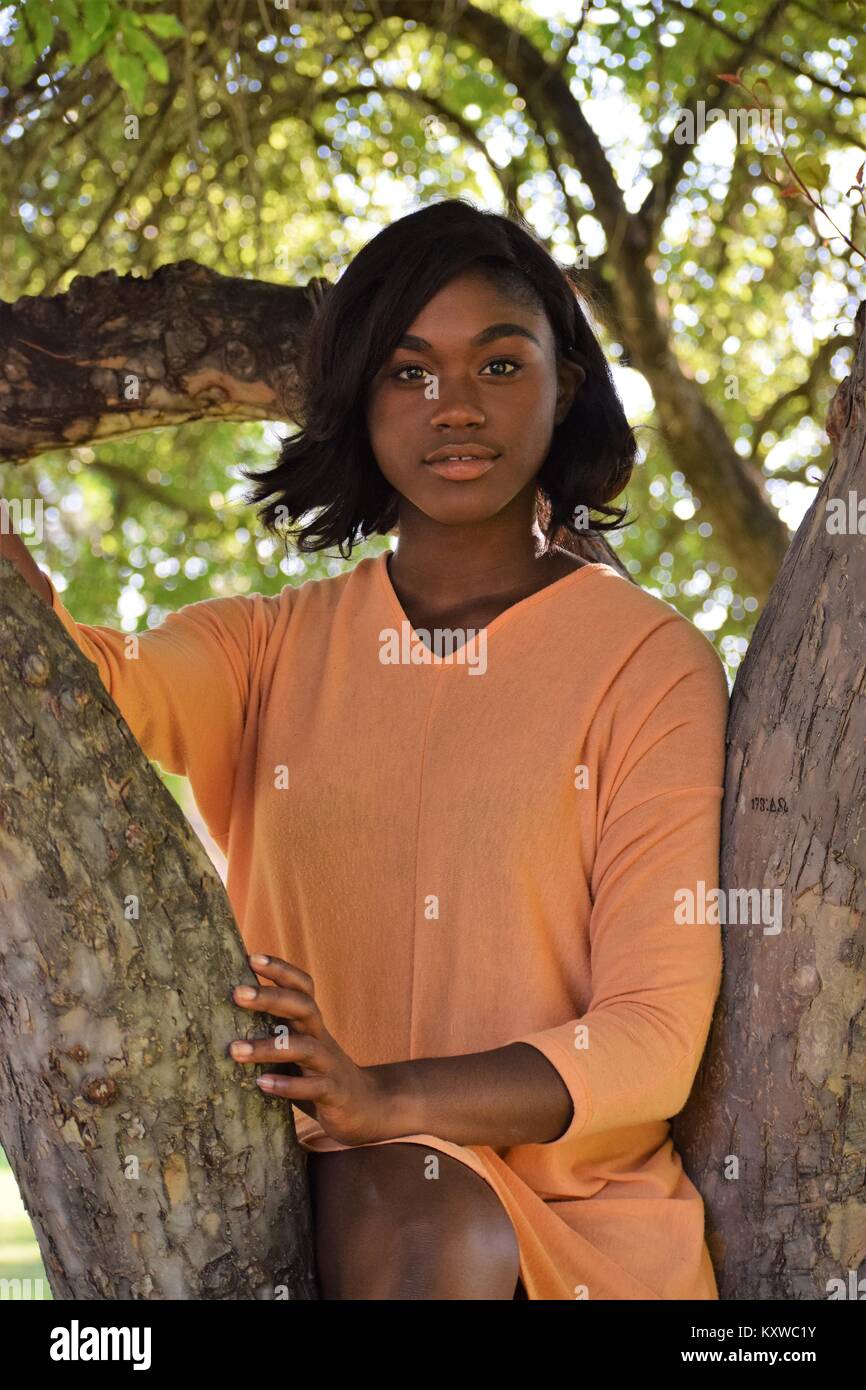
x: 456, y: 405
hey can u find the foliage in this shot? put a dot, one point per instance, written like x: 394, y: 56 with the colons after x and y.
x: 275, y: 141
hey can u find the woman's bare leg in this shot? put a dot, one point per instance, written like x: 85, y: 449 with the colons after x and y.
x: 386, y: 1229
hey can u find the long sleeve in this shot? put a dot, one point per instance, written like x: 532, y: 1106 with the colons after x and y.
x: 184, y: 686
x: 631, y: 1058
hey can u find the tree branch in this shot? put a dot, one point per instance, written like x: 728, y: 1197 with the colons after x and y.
x: 654, y: 207
x: 693, y: 13
x: 118, y: 355
x: 804, y: 390
x: 521, y: 63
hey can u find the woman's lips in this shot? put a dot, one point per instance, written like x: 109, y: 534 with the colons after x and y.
x: 458, y: 471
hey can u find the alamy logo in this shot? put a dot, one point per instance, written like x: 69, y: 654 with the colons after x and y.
x: 731, y: 905
x: 19, y: 518
x: 24, y: 1289
x: 746, y: 122
x: 454, y: 645
x: 76, y: 1343
x: 846, y: 520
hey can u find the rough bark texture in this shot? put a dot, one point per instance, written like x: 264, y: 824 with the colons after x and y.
x: 150, y: 1163
x: 782, y: 1086
x: 122, y: 354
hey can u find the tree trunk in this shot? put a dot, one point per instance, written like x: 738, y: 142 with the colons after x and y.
x: 150, y: 1163
x: 775, y: 1128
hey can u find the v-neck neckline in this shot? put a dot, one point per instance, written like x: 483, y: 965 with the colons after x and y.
x: 431, y: 657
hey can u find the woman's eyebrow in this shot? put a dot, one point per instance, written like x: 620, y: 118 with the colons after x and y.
x: 487, y: 335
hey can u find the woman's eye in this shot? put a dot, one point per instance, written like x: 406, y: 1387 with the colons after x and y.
x: 509, y: 362
x: 410, y: 367
x: 425, y: 374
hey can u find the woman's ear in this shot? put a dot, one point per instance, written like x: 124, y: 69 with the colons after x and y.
x: 570, y: 377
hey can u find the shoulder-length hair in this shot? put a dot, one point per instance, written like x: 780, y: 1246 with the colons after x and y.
x: 327, y: 483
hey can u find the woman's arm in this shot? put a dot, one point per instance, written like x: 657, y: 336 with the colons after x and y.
x: 510, y: 1095
x: 183, y: 686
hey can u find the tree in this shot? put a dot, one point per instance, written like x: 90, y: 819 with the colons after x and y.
x: 148, y: 1167
x: 773, y: 1131
x: 777, y: 1091
x: 128, y: 132
x: 132, y: 124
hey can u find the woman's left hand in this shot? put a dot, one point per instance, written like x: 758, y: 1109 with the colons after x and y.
x: 346, y: 1099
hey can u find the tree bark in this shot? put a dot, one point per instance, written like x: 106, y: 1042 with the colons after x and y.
x: 150, y: 1163
x: 121, y: 354
x: 775, y: 1128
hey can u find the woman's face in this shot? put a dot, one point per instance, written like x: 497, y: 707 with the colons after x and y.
x: 476, y: 372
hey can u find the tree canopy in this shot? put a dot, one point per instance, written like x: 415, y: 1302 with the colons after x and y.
x: 271, y: 141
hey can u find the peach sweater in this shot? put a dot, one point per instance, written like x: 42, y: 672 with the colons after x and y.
x: 464, y: 858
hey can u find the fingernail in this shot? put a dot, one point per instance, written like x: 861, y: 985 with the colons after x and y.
x: 241, y: 1049
x: 266, y: 1082
x: 258, y: 960
x: 245, y: 992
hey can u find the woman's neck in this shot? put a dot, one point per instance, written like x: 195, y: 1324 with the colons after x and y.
x: 437, y: 570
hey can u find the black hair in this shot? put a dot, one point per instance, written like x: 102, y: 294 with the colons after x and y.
x: 326, y: 481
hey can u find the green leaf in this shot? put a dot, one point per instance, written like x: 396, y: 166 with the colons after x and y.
x: 813, y: 173
x: 83, y: 46
x: 96, y: 16
x: 21, y: 58
x: 70, y: 19
x: 39, y: 20
x: 165, y: 26
x: 761, y: 90
x: 128, y: 72
x: 137, y: 42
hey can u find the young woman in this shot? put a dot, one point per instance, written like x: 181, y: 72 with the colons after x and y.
x: 465, y: 790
